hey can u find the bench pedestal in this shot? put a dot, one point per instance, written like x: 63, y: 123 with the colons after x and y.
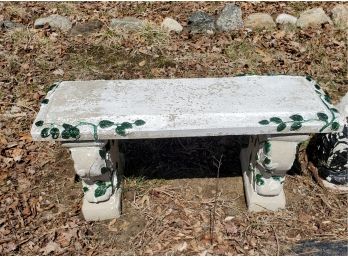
x: 99, y: 166
x: 264, y: 164
x: 276, y: 112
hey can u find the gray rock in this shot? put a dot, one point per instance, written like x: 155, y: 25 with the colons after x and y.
x: 200, y: 22
x: 55, y: 21
x: 286, y: 19
x: 85, y: 28
x: 313, y: 18
x: 128, y: 23
x: 340, y: 15
x: 170, y: 24
x: 230, y: 18
x: 8, y: 25
x: 259, y: 21
x: 15, y: 109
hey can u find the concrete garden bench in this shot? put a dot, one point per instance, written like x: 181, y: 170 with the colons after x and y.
x: 277, y: 112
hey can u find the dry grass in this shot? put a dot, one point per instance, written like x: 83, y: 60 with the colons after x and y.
x: 39, y: 200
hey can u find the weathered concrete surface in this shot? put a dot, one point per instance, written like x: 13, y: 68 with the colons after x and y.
x: 185, y: 107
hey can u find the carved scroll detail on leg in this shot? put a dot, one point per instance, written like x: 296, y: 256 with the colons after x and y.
x: 97, y: 171
x: 96, y: 163
x: 265, y: 162
x: 270, y: 167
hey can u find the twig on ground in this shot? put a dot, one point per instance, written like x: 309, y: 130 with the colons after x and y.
x: 212, y: 216
x: 315, y: 174
x: 20, y: 105
x: 303, y: 159
x: 276, y: 237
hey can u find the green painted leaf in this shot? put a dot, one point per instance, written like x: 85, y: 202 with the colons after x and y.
x: 126, y: 125
x: 295, y: 126
x: 276, y: 120
x: 100, y: 183
x: 102, y: 154
x: 104, y: 170
x: 54, y: 133
x: 259, y: 180
x: 281, y: 127
x: 120, y: 131
x: 322, y: 116
x: 45, y: 132
x: 335, y: 126
x: 101, y: 190
x: 296, y: 117
x: 139, y: 122
x: 276, y: 178
x: 74, y: 132
x: 44, y: 101
x: 317, y: 86
x: 105, y: 123
x: 39, y: 123
x: 327, y: 99
x: 264, y: 122
x: 65, y: 134
x: 67, y: 126
x: 267, y: 160
x: 334, y: 110
x: 53, y: 86
x: 267, y: 147
x: 85, y: 189
x: 309, y: 78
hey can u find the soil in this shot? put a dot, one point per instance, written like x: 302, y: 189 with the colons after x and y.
x: 173, y: 202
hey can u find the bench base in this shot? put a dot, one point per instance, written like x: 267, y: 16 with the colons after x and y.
x: 264, y: 164
x: 109, y: 209
x: 100, y: 166
x: 256, y: 202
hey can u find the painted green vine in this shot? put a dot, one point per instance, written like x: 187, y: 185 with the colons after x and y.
x: 101, y: 189
x: 296, y: 120
x: 70, y: 131
x: 267, y: 148
x: 102, y: 186
x: 259, y: 180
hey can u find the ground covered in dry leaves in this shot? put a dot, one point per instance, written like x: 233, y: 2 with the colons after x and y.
x: 167, y: 210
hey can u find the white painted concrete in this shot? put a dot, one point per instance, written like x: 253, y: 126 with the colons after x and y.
x: 277, y: 111
x: 99, y: 165
x: 183, y: 107
x: 255, y: 201
x: 264, y: 165
x: 109, y: 209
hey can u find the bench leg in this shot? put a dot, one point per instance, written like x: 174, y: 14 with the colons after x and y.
x: 264, y: 163
x: 99, y: 166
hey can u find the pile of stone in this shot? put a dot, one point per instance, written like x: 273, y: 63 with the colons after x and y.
x: 229, y: 19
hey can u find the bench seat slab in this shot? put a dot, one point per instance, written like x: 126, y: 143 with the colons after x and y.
x: 164, y: 108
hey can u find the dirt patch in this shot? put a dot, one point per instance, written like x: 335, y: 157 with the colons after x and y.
x: 169, y: 193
